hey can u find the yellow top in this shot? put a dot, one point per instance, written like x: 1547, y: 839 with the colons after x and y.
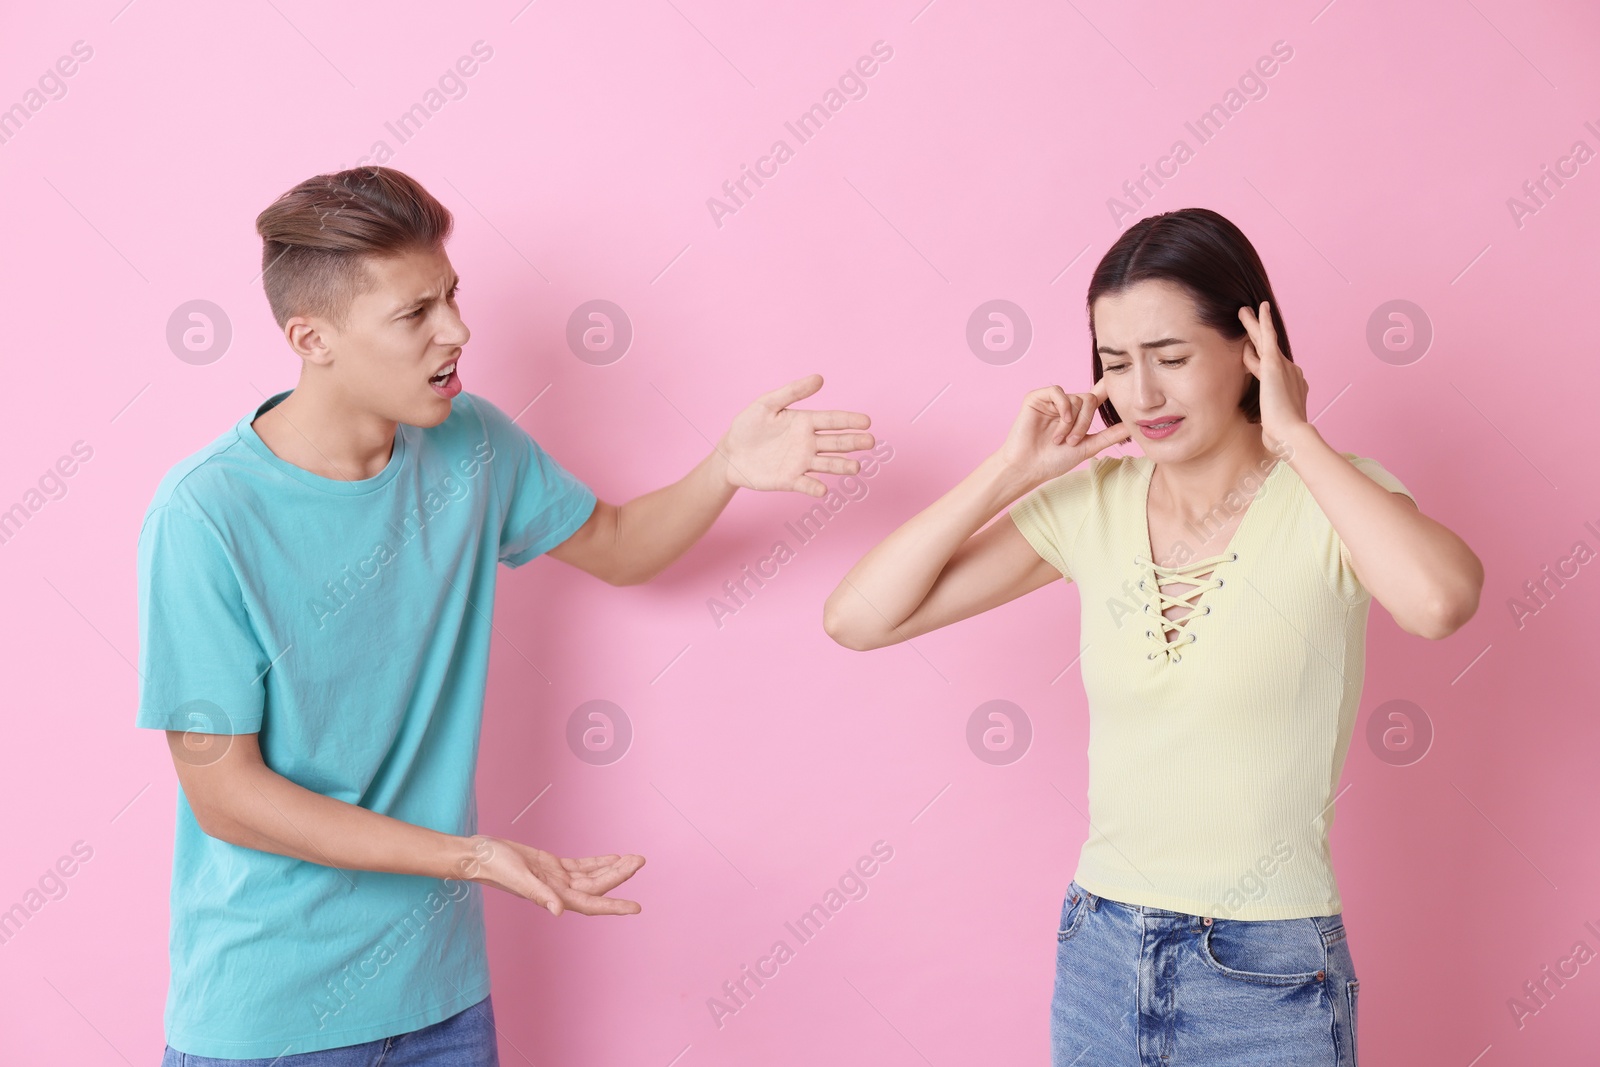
x: 1215, y: 753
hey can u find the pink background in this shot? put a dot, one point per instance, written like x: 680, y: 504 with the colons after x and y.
x: 765, y: 758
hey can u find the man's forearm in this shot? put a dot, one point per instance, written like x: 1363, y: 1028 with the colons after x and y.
x: 653, y: 530
x: 263, y: 810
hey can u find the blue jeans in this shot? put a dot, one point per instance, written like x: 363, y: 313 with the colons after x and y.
x: 466, y: 1039
x: 1143, y: 987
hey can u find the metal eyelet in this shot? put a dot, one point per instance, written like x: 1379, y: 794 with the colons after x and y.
x: 1177, y: 659
x: 1219, y: 583
x: 1236, y: 556
x: 1207, y: 611
x: 1152, y: 655
x: 1149, y: 633
x: 1193, y: 638
x: 1141, y: 583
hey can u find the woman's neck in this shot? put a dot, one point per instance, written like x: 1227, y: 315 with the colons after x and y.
x: 1192, y: 489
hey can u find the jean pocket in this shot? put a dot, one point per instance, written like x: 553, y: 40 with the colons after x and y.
x: 1073, y: 910
x: 1279, y: 952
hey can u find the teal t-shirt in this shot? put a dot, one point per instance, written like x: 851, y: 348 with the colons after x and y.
x: 347, y: 623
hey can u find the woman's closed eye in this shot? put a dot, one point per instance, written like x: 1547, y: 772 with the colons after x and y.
x: 1164, y: 362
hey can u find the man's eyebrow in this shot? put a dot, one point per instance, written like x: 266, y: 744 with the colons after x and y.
x: 455, y: 280
x: 1165, y: 342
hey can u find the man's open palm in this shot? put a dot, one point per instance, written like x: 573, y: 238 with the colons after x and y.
x: 773, y: 446
x: 552, y: 882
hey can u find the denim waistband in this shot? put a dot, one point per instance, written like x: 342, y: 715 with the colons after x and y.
x: 1095, y: 900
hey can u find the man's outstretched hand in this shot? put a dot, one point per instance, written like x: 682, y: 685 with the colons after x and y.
x: 773, y: 446
x: 553, y: 883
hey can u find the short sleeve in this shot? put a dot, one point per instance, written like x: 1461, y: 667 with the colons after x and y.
x: 1051, y: 516
x: 1345, y: 579
x: 544, y: 502
x: 200, y: 661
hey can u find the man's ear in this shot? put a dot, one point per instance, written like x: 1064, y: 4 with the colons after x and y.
x: 308, y: 338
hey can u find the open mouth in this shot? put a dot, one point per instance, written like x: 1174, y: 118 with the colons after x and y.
x: 1161, y: 429
x: 446, y: 383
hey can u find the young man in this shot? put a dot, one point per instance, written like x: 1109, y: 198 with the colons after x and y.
x: 315, y: 594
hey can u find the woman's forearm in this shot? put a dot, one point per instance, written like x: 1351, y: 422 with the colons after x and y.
x: 1419, y: 570
x: 892, y: 580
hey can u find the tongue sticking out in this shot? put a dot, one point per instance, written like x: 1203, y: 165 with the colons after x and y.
x: 446, y: 385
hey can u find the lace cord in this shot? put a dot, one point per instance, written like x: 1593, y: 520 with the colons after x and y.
x: 1155, y: 575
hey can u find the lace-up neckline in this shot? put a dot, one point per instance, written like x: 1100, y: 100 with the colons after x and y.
x: 1157, y: 601
x: 1153, y: 575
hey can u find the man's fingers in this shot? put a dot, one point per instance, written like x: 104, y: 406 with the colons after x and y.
x: 594, y: 865
x: 535, y: 890
x: 798, y: 389
x: 835, y: 465
x: 839, y: 420
x: 809, y: 486
x: 602, y: 882
x: 588, y: 904
x: 844, y: 442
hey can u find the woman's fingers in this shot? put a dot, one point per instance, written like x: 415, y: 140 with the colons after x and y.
x: 1262, y: 335
x: 1111, y: 435
x: 1252, y: 359
x: 1268, y: 331
x: 1088, y: 403
x: 1061, y: 404
x: 1085, y: 416
x: 1070, y: 414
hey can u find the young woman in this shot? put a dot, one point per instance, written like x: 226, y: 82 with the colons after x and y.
x: 1225, y: 577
